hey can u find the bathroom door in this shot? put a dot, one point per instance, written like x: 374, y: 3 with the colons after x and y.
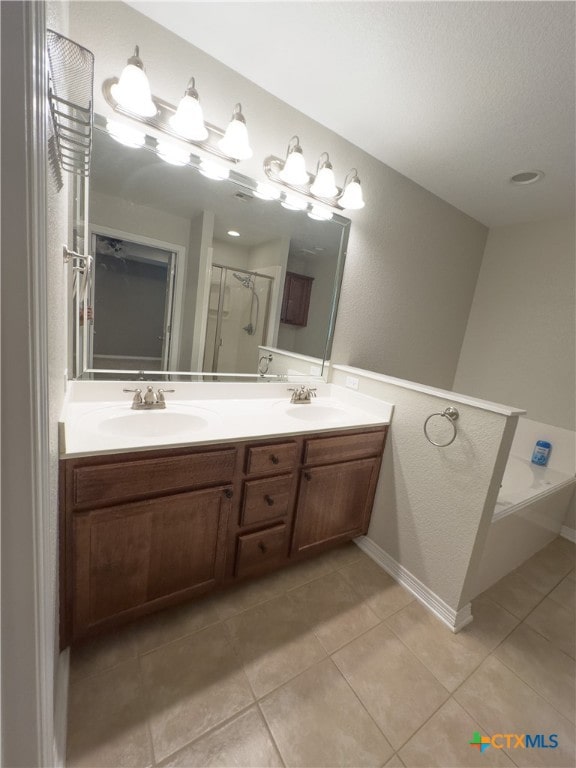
x: 132, y: 300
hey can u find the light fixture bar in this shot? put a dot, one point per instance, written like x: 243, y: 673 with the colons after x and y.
x: 272, y: 167
x: 161, y: 122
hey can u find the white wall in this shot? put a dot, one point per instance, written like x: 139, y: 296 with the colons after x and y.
x: 412, y: 259
x: 520, y: 340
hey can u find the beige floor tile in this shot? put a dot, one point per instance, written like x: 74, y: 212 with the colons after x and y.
x: 572, y: 575
x: 334, y: 611
x: 103, y: 653
x: 444, y: 743
x: 192, y: 685
x: 243, y: 742
x: 450, y: 657
x: 316, y: 720
x: 555, y: 623
x: 394, y: 762
x: 492, y: 623
x: 500, y: 702
x: 275, y: 643
x: 344, y: 555
x: 546, y: 669
x: 175, y: 623
x: 379, y: 590
x: 565, y: 593
x: 515, y: 594
x: 397, y: 690
x: 107, y: 720
x: 549, y: 566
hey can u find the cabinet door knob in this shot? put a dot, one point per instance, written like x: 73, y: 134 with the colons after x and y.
x: 228, y: 493
x: 307, y: 476
x: 262, y: 547
x: 274, y: 459
x: 269, y: 500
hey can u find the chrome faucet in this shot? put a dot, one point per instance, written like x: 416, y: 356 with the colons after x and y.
x: 151, y: 400
x: 302, y: 394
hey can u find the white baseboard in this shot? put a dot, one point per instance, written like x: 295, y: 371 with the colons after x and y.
x: 61, y: 708
x: 568, y: 533
x: 455, y: 620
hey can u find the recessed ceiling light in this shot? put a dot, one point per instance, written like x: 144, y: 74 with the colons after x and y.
x: 526, y: 177
x: 233, y: 233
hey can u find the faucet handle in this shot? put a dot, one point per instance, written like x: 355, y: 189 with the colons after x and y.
x: 137, y: 399
x: 161, y: 398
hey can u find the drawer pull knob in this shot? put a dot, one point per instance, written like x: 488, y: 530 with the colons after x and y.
x: 262, y: 547
x: 269, y: 500
x: 307, y: 476
x: 228, y: 493
x: 274, y: 459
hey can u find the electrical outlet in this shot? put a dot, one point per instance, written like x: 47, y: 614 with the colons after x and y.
x: 351, y: 382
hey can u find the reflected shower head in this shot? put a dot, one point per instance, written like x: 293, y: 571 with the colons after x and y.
x: 245, y: 280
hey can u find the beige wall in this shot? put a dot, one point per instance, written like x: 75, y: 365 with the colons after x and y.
x: 412, y: 258
x: 519, y: 345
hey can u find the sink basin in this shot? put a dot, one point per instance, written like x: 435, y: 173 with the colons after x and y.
x: 123, y: 421
x: 315, y: 412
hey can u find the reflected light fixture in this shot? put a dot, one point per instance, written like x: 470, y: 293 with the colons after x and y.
x: 233, y: 233
x: 266, y: 191
x: 293, y: 203
x: 320, y: 213
x: 132, y: 91
x: 188, y: 120
x: 171, y: 153
x: 294, y: 169
x: 213, y: 170
x: 235, y: 142
x: 125, y: 135
x: 324, y: 184
x: 351, y: 197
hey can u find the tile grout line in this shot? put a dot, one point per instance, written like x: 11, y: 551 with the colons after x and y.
x: 146, y: 709
x: 267, y: 725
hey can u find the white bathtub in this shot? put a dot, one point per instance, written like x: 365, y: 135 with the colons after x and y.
x: 529, y: 513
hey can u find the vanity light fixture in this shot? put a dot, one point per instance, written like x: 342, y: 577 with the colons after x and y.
x: 293, y: 203
x: 213, y: 170
x: 126, y: 135
x: 320, y: 213
x: 294, y: 169
x: 131, y: 97
x: 351, y: 197
x: 188, y: 120
x: 324, y: 184
x: 235, y: 141
x: 132, y: 91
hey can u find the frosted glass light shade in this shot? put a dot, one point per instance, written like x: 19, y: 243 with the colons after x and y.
x: 352, y: 196
x: 294, y: 170
x: 125, y: 135
x: 188, y: 120
x: 319, y: 213
x: 266, y: 191
x: 214, y: 170
x: 293, y: 203
x: 324, y: 185
x: 172, y: 154
x: 235, y: 141
x: 132, y: 92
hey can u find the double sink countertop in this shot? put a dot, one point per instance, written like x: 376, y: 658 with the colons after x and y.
x: 98, y: 418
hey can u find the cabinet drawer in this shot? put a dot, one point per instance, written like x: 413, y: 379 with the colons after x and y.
x: 277, y: 458
x: 257, y: 551
x: 328, y: 450
x: 266, y: 499
x: 123, y: 480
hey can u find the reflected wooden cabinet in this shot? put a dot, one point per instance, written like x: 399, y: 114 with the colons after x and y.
x: 142, y: 531
x: 296, y: 299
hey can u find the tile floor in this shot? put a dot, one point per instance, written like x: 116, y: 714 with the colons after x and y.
x: 331, y: 663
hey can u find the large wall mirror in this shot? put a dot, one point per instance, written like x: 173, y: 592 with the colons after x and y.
x: 195, y: 275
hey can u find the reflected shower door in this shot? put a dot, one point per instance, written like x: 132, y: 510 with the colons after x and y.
x: 237, y: 323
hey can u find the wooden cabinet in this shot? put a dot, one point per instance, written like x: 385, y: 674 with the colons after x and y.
x: 141, y: 531
x: 296, y: 299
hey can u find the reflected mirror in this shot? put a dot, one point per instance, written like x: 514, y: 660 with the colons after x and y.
x: 191, y: 274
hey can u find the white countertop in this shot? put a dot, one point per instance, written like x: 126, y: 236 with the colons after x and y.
x: 97, y: 417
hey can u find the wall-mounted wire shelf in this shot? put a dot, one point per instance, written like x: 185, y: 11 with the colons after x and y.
x: 70, y: 93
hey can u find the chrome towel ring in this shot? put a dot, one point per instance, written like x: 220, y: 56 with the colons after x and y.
x: 449, y: 413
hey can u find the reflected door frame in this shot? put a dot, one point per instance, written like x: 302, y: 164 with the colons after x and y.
x: 177, y: 298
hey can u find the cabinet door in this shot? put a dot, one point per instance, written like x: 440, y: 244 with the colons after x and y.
x: 130, y: 556
x: 334, y: 503
x: 296, y: 299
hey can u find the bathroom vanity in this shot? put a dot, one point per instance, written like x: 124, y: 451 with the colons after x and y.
x: 145, y: 529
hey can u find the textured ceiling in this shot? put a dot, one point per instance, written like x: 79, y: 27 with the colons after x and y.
x: 458, y: 96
